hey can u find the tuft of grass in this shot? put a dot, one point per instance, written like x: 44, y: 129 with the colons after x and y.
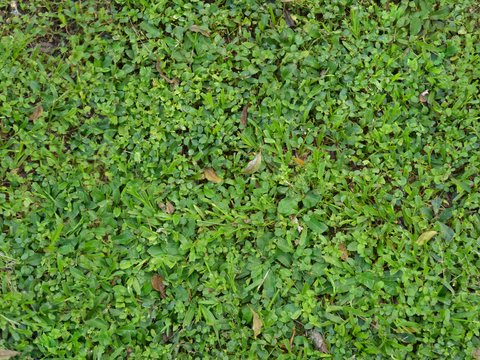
x: 128, y: 228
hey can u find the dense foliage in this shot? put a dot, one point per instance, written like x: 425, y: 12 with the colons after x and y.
x: 128, y: 228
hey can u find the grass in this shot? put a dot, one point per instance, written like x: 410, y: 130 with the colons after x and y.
x: 146, y: 212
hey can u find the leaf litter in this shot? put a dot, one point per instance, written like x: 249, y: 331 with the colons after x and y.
x: 212, y: 176
x: 257, y: 323
x: 254, y: 165
x: 158, y: 285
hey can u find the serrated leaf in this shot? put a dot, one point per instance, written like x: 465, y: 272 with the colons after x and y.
x: 427, y: 235
x: 7, y: 354
x: 256, y: 324
x: 210, y: 175
x: 253, y: 165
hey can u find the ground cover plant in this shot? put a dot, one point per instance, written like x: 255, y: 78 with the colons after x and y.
x: 239, y: 179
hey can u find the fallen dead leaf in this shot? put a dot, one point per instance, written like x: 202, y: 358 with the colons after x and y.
x: 244, y: 117
x: 476, y: 354
x: 298, y: 161
x: 343, y: 251
x: 198, y: 29
x: 37, y: 112
x: 422, y: 97
x: 294, y: 331
x: 295, y: 221
x: 7, y: 354
x: 158, y: 285
x: 212, y: 176
x: 427, y: 235
x: 253, y: 165
x: 167, y: 207
x: 14, y: 8
x: 288, y: 19
x: 256, y: 324
x: 170, y: 209
x: 318, y: 341
x: 173, y: 81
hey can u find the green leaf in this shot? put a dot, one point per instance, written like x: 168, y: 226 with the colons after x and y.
x: 415, y: 24
x: 288, y: 206
x: 151, y: 30
x: 314, y: 224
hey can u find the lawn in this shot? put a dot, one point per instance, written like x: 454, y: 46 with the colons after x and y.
x: 229, y: 179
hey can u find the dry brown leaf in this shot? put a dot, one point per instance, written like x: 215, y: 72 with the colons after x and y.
x: 198, y: 29
x: 288, y: 19
x: 295, y: 221
x: 169, y: 208
x: 14, y: 8
x: 158, y: 285
x: 318, y: 341
x: 427, y: 235
x: 37, y: 112
x: 244, y: 117
x: 423, y: 97
x: 298, y: 161
x: 476, y: 354
x: 212, y: 176
x: 343, y: 251
x: 253, y: 165
x: 173, y: 81
x: 294, y: 331
x: 7, y: 354
x: 256, y: 324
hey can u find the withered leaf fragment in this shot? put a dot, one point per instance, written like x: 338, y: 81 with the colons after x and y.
x: 253, y: 165
x: 212, y: 176
x: 288, y: 18
x: 158, y: 285
x: 37, y: 112
x: 198, y: 29
x: 318, y: 341
x: 244, y: 117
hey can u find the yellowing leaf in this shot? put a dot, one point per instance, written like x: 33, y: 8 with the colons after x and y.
x: 210, y: 175
x: 427, y: 235
x: 198, y: 29
x: 7, y: 354
x: 253, y: 165
x: 257, y: 324
x: 298, y: 161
